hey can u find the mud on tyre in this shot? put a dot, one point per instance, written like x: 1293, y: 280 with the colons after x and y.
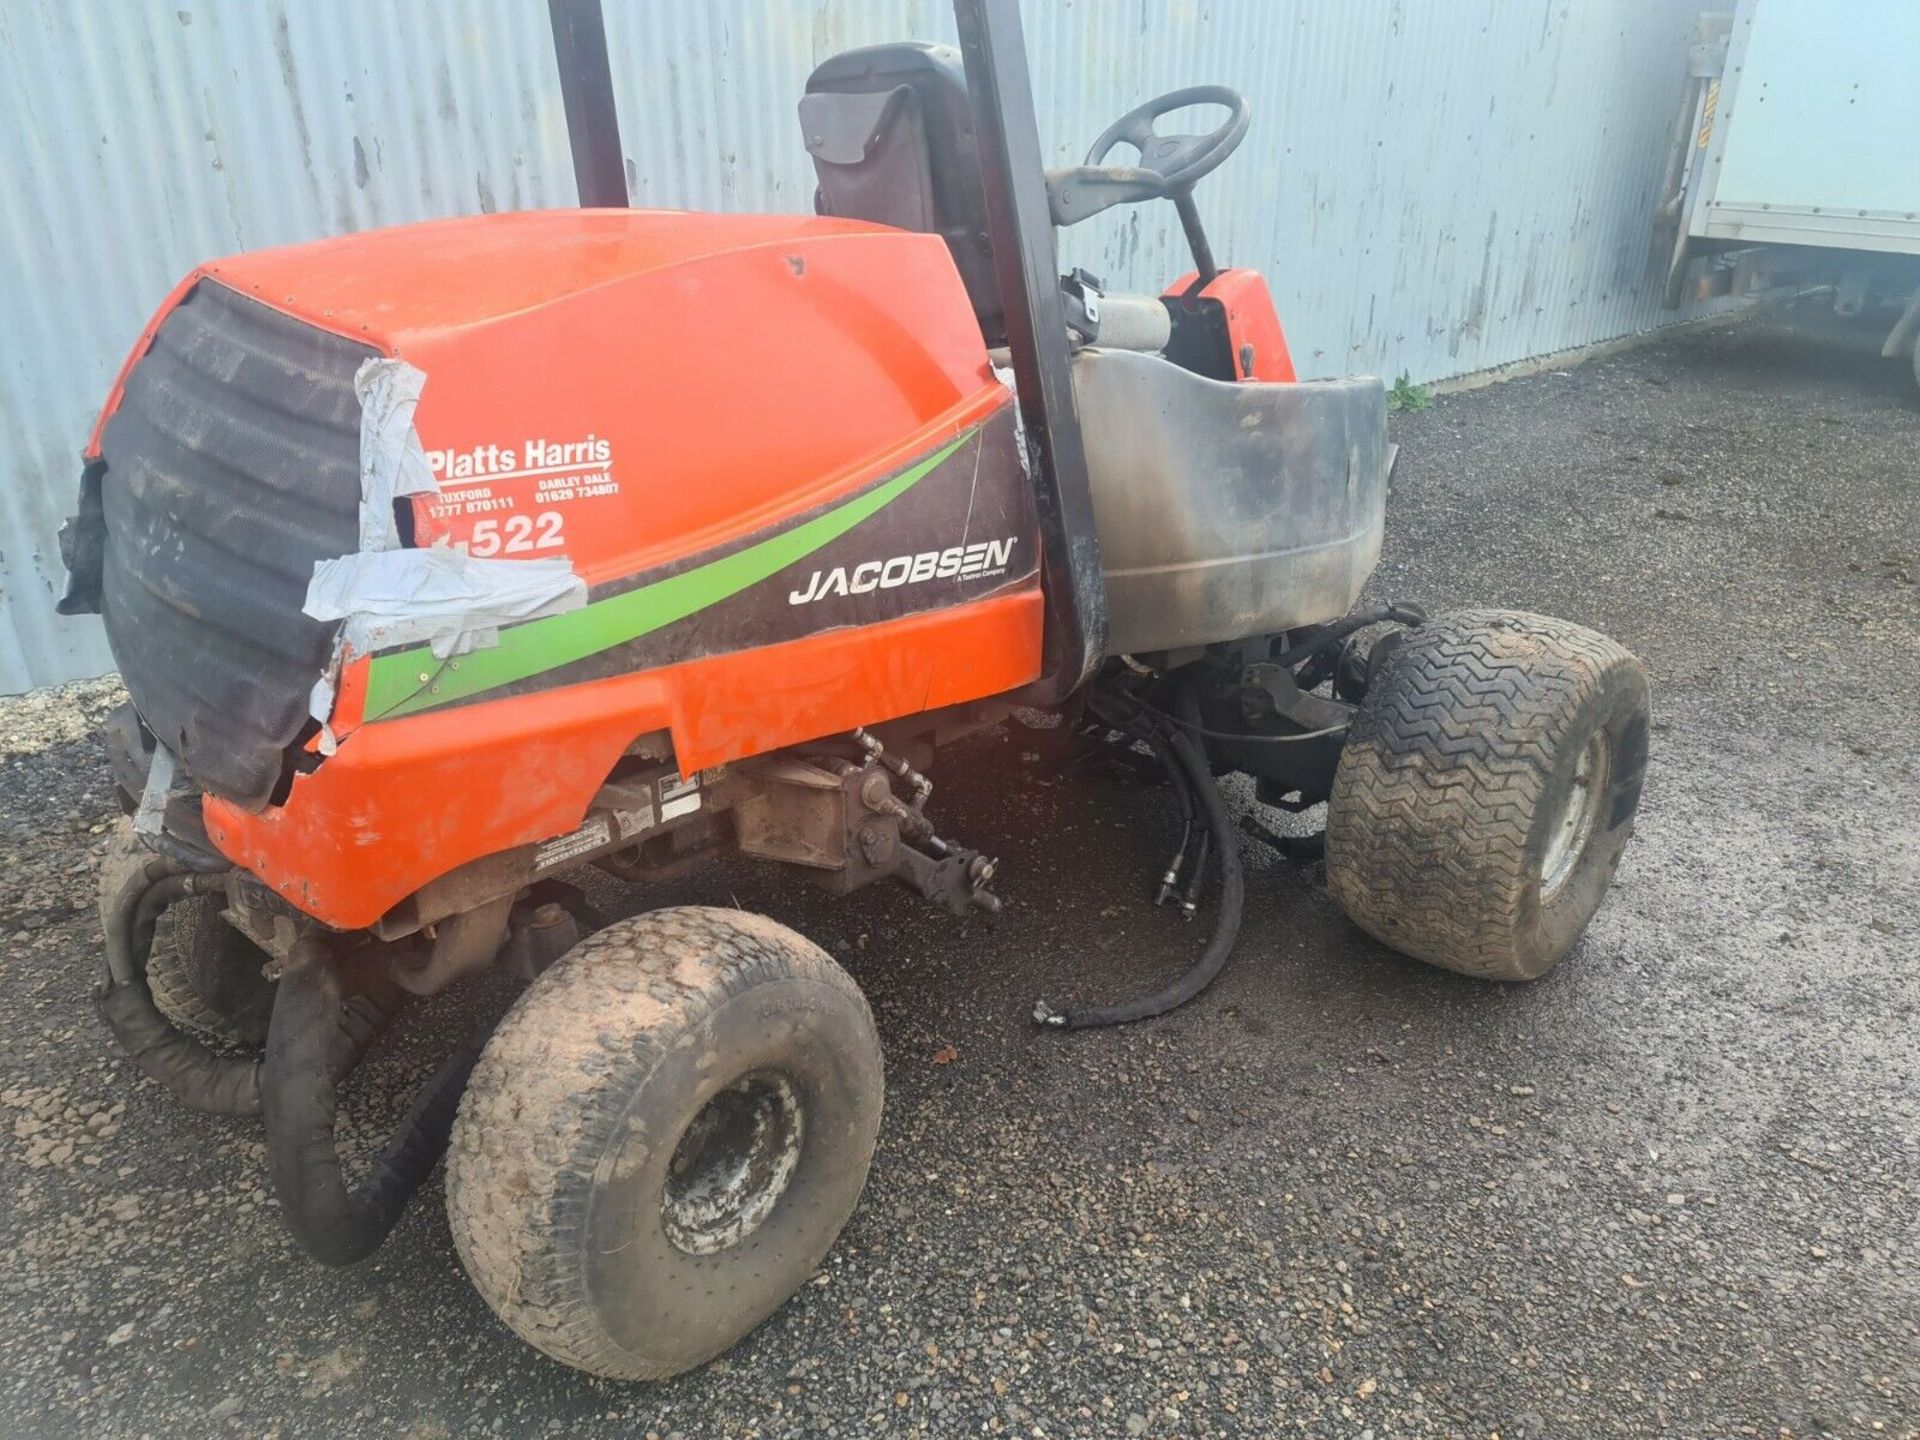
x: 1486, y: 790
x: 207, y: 977
x: 663, y: 1138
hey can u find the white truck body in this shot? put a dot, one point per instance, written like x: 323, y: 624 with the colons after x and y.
x: 1815, y: 137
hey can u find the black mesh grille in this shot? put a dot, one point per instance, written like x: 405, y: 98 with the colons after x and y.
x: 233, y: 464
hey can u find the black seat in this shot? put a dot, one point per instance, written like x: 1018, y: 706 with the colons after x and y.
x: 891, y: 134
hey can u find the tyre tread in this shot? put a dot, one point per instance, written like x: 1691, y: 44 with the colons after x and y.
x: 618, y: 998
x: 177, y: 973
x: 1428, y: 823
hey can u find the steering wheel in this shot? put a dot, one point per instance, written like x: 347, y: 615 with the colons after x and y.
x: 1168, y: 166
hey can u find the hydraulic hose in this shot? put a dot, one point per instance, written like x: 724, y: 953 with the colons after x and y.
x: 202, y: 1080
x: 1340, y: 629
x: 1190, y: 764
x: 306, y: 1044
x: 198, y: 1078
x: 1170, y: 881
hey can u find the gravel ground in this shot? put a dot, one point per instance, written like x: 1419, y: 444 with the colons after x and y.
x: 1671, y: 1190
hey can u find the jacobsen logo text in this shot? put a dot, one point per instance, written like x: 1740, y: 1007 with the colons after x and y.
x: 965, y: 562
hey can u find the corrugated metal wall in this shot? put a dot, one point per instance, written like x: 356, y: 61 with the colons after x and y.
x: 1433, y: 186
x: 138, y: 138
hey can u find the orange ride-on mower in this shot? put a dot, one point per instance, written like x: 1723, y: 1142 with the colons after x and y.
x: 446, y: 561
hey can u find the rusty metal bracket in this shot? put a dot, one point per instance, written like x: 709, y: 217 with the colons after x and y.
x: 843, y: 825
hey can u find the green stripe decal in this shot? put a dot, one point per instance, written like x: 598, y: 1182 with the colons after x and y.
x: 394, y: 686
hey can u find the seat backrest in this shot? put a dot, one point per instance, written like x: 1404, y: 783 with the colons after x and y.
x: 890, y: 130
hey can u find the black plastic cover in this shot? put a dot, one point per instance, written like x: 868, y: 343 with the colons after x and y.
x: 83, y: 547
x: 231, y: 466
x: 917, y: 163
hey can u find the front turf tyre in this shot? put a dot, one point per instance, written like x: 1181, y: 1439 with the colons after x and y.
x: 208, y: 978
x: 663, y: 1138
x: 1486, y: 790
x: 205, y: 977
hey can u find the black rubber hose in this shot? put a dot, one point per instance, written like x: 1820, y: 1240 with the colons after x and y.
x: 1196, y: 878
x: 1233, y: 893
x: 202, y: 1080
x: 1156, y: 740
x: 126, y: 947
x: 189, y: 857
x: 1340, y: 629
x: 198, y: 1078
x: 336, y: 1223
x: 1169, y: 769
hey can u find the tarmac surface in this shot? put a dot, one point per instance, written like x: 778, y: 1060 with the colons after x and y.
x: 1671, y: 1190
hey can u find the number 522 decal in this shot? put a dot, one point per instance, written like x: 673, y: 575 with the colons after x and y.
x: 517, y: 534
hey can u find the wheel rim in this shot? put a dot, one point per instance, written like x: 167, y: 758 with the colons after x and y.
x: 1579, y: 811
x: 733, y: 1163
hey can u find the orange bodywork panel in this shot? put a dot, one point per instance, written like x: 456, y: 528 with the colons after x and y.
x: 682, y: 406
x: 406, y: 801
x: 1253, y: 325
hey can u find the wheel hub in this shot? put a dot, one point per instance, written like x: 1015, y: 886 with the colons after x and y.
x: 1573, y: 826
x: 733, y: 1163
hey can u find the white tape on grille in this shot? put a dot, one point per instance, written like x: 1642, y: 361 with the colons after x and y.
x: 386, y: 595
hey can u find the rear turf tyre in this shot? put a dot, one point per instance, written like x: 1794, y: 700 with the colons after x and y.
x: 663, y: 1138
x: 208, y: 978
x: 1486, y: 790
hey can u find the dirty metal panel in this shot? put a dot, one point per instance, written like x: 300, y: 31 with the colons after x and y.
x: 1227, y: 509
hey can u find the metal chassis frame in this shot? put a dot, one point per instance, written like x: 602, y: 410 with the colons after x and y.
x: 1020, y: 233
x: 586, y: 93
